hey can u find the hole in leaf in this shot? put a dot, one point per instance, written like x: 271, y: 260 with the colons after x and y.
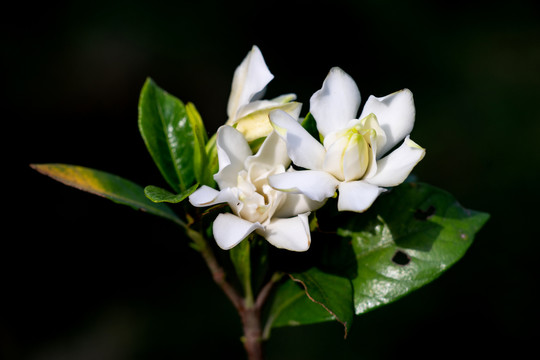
x: 401, y: 258
x: 424, y: 214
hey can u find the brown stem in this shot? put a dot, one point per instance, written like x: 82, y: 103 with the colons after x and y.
x: 265, y: 291
x: 250, y: 314
x: 251, y: 322
x: 218, y: 274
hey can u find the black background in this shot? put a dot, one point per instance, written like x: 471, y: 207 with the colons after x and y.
x: 84, y: 278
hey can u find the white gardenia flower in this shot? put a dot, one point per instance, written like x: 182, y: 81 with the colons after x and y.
x: 246, y: 111
x: 354, y: 157
x: 242, y: 178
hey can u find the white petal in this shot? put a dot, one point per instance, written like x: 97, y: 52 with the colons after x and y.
x: 357, y: 195
x: 333, y: 160
x: 206, y: 196
x: 272, y: 152
x: 395, y: 113
x: 232, y: 149
x: 372, y: 167
x: 336, y: 102
x: 285, y: 98
x: 303, y: 149
x: 371, y: 122
x: 229, y: 230
x: 257, y: 124
x: 290, y: 234
x: 203, y: 196
x: 317, y: 185
x: 356, y: 158
x: 394, y: 168
x: 295, y: 204
x: 250, y: 78
x: 292, y: 107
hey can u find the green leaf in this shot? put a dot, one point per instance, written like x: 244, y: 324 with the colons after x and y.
x: 197, y: 122
x: 256, y: 144
x: 203, y: 173
x: 406, y: 240
x: 110, y: 186
x: 290, y: 306
x: 310, y: 125
x: 321, y: 297
x: 212, y: 158
x: 169, y: 135
x: 158, y: 195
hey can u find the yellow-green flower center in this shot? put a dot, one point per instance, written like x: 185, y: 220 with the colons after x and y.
x: 349, y: 152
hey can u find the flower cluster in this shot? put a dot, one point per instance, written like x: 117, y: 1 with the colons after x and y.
x: 356, y: 156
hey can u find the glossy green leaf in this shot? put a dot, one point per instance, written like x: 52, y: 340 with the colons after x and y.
x: 212, y: 164
x: 290, y: 306
x: 110, y: 186
x: 256, y: 144
x: 321, y: 297
x: 169, y: 135
x: 203, y: 173
x: 406, y: 240
x: 158, y: 195
x: 197, y: 122
x: 310, y: 125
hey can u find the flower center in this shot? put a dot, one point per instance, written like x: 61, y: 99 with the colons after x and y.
x: 349, y: 152
x: 259, y: 200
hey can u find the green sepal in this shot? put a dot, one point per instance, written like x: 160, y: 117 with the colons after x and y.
x: 241, y: 259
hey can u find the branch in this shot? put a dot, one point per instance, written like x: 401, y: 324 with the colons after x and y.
x: 265, y: 291
x: 218, y: 274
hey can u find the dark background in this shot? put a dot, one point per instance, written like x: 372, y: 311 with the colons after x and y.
x: 84, y: 278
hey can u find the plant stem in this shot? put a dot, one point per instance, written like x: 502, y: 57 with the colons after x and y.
x: 251, y: 322
x: 218, y: 274
x: 248, y: 309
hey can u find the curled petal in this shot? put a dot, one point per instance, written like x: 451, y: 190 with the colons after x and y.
x: 373, y: 141
x: 256, y: 124
x: 206, y: 196
x: 378, y: 139
x: 295, y: 204
x: 257, y: 105
x: 357, y: 195
x: 203, y: 196
x: 303, y: 149
x: 395, y: 113
x: 291, y: 234
x: 336, y: 103
x: 394, y: 168
x: 356, y: 158
x: 315, y: 184
x: 285, y: 98
x: 272, y: 152
x: 229, y: 230
x: 232, y: 151
x: 250, y: 79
